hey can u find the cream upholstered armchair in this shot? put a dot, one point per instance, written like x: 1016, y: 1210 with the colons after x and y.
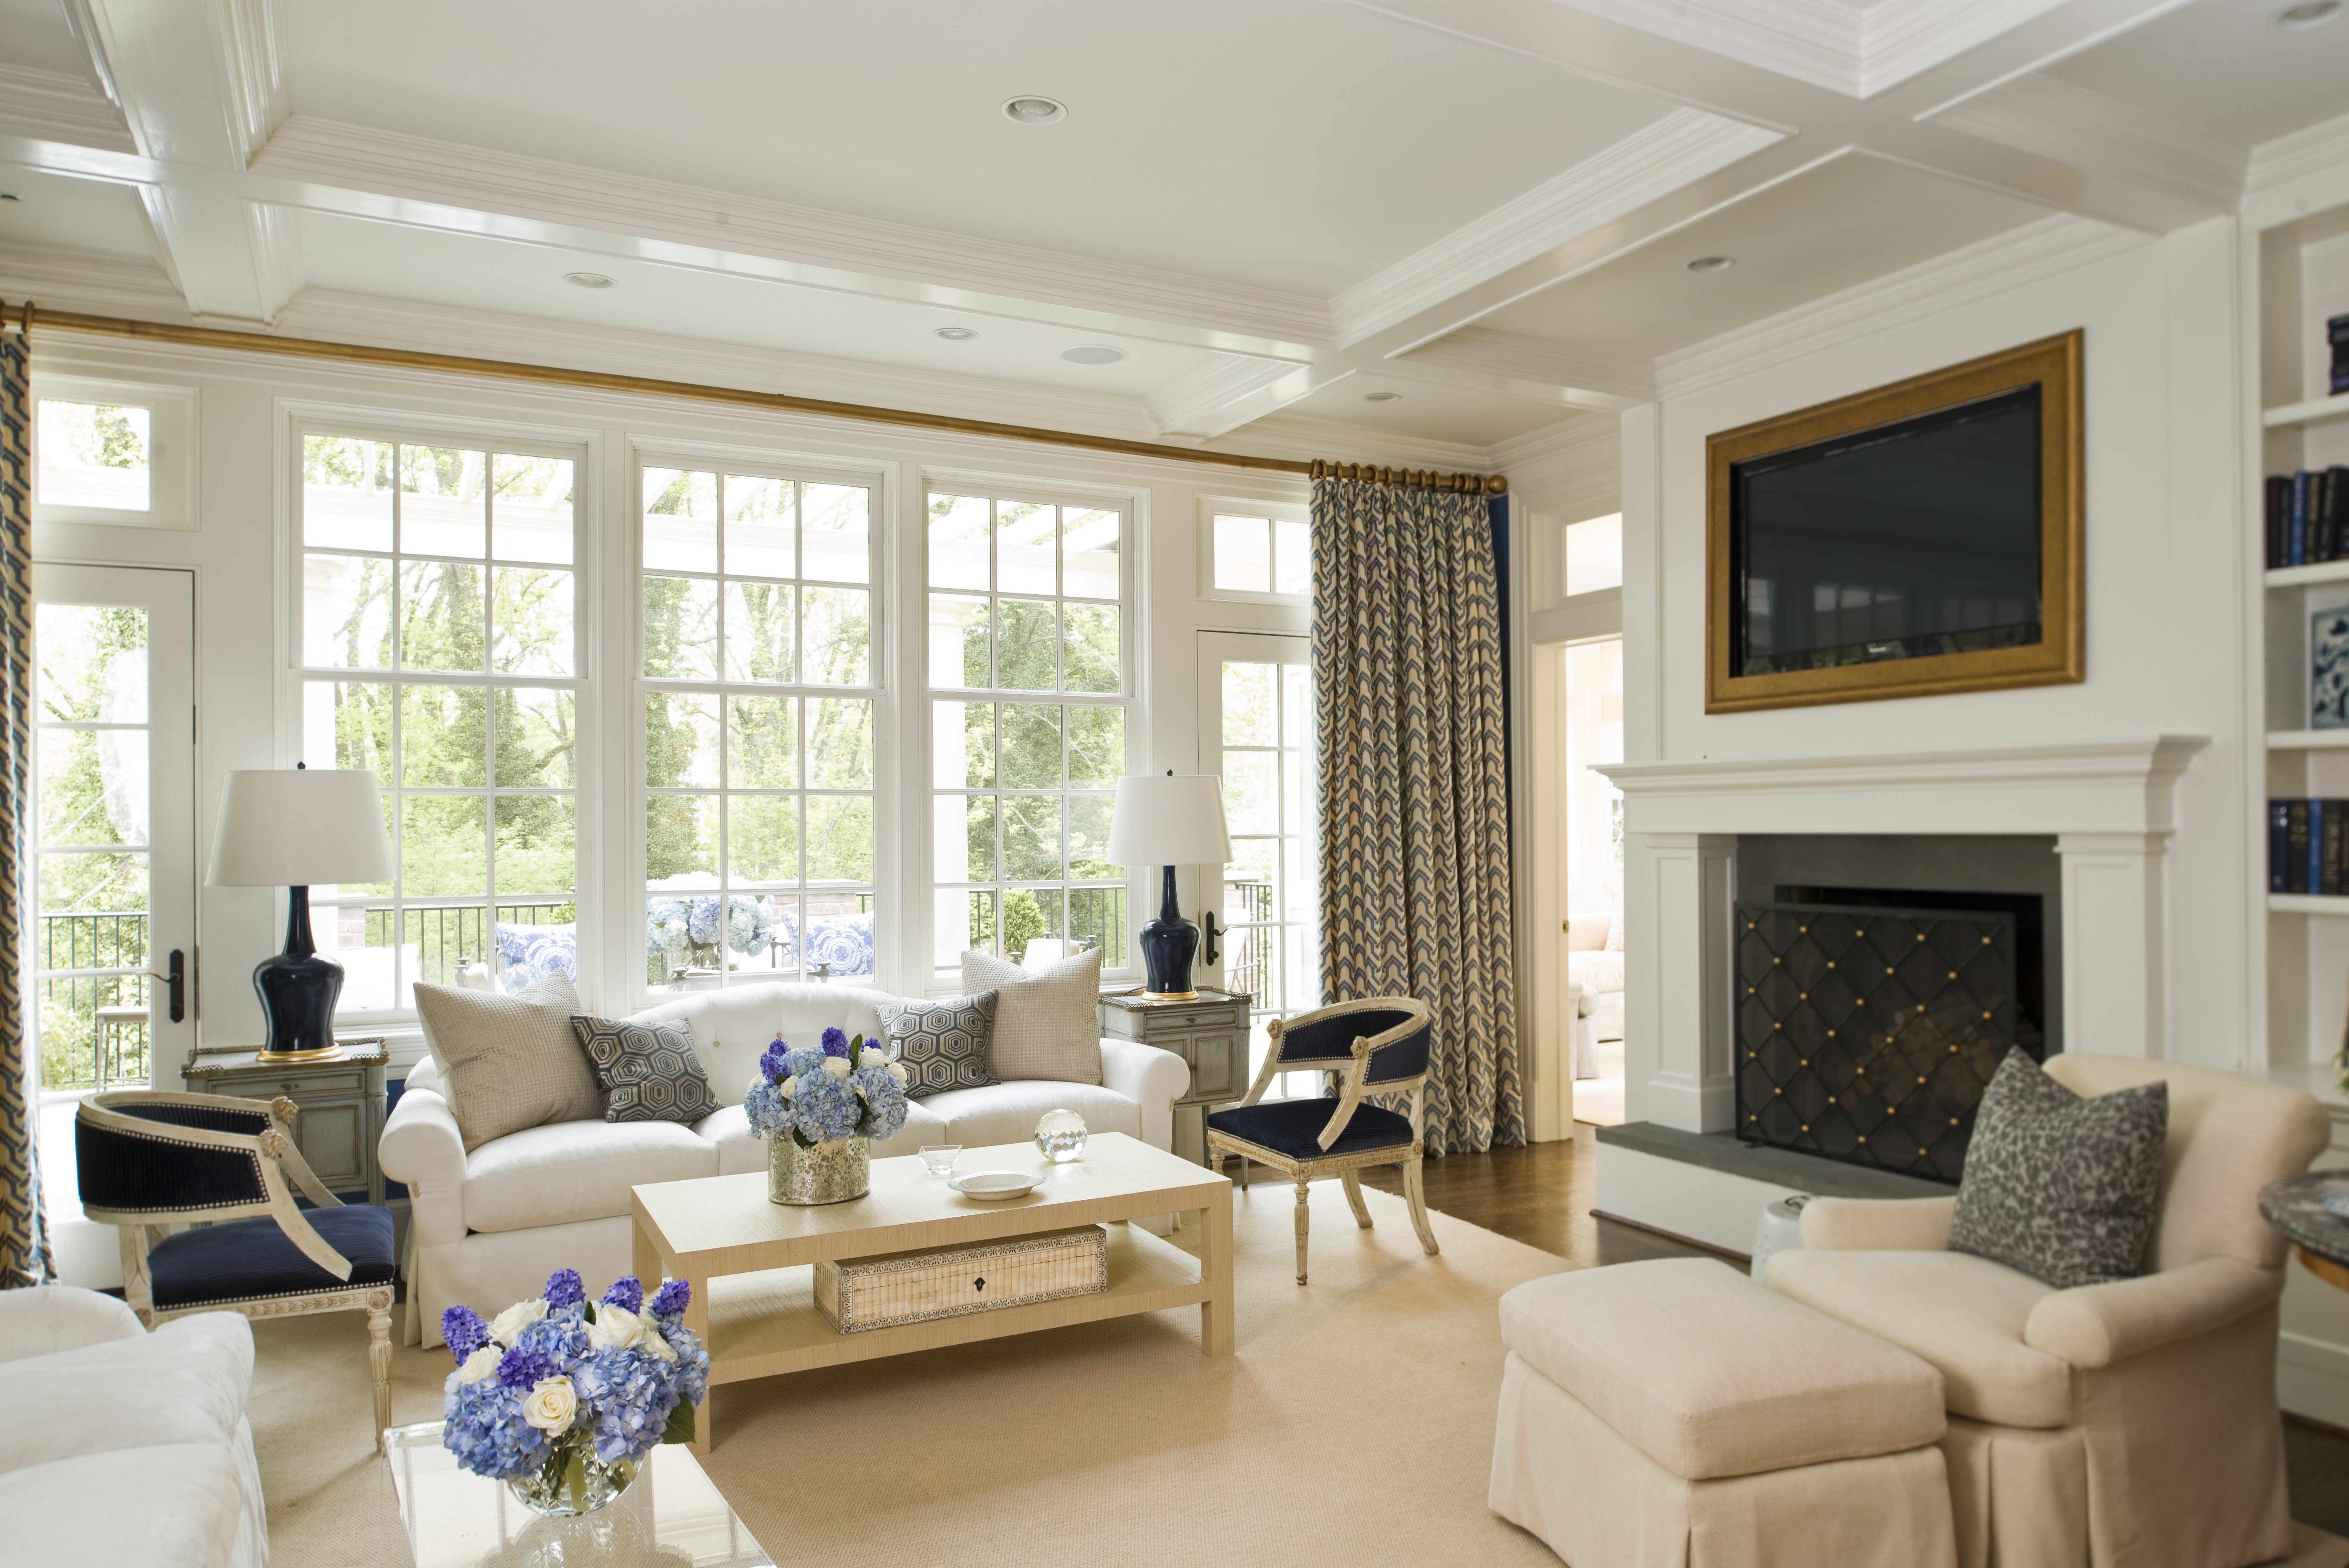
x: 2129, y: 1423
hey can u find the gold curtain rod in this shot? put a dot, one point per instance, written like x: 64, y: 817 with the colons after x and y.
x: 778, y: 402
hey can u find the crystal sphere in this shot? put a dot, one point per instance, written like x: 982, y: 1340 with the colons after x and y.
x: 1061, y: 1135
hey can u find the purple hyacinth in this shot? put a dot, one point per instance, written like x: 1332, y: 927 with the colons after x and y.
x: 835, y: 1042
x: 462, y: 1328
x: 770, y: 1062
x: 521, y: 1369
x: 626, y: 1292
x: 673, y: 1298
x: 564, y: 1288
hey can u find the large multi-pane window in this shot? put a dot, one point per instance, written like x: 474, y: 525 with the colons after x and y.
x: 1031, y: 685
x: 438, y: 647
x: 759, y: 700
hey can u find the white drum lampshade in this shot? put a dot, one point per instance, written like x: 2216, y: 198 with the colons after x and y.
x: 289, y: 829
x: 1170, y: 822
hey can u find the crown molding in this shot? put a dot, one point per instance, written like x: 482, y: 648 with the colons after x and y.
x: 258, y: 102
x: 2088, y: 130
x: 53, y: 105
x: 276, y: 234
x: 1858, y: 51
x: 1677, y: 150
x: 1997, y: 265
x: 1515, y: 358
x: 1191, y: 402
x: 99, y: 285
x: 1304, y: 436
x: 2293, y: 175
x: 698, y: 226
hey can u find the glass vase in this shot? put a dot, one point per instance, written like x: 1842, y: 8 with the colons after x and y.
x: 831, y: 1171
x: 572, y: 1481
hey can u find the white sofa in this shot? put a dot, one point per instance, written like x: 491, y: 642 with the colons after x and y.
x: 126, y: 1446
x: 486, y: 1229
x: 1598, y: 968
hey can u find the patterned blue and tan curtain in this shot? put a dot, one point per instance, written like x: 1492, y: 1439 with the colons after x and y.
x: 24, y: 1239
x: 1416, y: 901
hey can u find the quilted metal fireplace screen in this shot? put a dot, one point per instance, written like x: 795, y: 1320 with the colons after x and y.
x: 1867, y: 1035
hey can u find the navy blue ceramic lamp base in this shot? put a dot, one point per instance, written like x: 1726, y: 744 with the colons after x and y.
x: 1168, y: 944
x: 298, y: 989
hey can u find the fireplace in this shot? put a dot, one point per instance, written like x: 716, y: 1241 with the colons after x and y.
x: 1869, y: 1020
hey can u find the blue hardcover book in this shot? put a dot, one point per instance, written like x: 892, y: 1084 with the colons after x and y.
x: 2279, y: 815
x: 2300, y: 518
x: 2328, y: 669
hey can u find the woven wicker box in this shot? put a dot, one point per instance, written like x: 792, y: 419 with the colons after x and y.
x: 859, y: 1294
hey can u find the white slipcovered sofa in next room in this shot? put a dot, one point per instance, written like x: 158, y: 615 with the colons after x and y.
x: 487, y: 1228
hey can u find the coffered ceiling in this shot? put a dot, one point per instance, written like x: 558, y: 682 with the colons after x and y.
x: 1424, y: 227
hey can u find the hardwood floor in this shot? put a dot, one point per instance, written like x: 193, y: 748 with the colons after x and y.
x: 1542, y: 1195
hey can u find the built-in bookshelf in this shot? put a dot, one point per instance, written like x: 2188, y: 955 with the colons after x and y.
x: 2299, y: 273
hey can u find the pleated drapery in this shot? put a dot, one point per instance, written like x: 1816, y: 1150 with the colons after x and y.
x: 1415, y: 892
x: 23, y: 1238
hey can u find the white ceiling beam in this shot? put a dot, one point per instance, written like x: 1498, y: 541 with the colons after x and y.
x: 51, y: 105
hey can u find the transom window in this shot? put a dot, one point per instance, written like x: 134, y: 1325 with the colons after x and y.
x: 438, y: 647
x: 1030, y: 672
x: 758, y: 703
x: 1255, y: 556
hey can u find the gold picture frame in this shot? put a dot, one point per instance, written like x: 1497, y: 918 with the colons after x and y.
x: 2061, y: 654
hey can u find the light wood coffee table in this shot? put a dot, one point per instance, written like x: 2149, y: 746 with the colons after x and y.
x: 750, y: 1261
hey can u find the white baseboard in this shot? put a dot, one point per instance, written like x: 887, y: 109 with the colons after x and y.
x: 2312, y: 1378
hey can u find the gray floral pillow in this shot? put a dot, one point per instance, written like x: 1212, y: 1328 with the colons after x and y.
x: 941, y: 1044
x: 2061, y: 1188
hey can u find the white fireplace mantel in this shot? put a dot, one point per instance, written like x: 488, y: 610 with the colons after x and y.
x: 2105, y: 803
x: 2109, y: 786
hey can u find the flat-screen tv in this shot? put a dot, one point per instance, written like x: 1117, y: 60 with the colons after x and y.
x: 1918, y: 539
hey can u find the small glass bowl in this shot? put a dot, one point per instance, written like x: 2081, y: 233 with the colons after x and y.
x: 938, y: 1159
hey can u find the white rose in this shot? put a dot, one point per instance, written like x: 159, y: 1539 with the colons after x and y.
x: 874, y: 1057
x: 482, y: 1363
x: 657, y: 1342
x: 837, y: 1067
x: 550, y: 1406
x: 508, y: 1324
x: 614, y: 1328
x: 791, y: 1086
x: 897, y: 1071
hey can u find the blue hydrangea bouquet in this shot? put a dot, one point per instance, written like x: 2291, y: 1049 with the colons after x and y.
x: 562, y: 1399
x: 816, y: 1105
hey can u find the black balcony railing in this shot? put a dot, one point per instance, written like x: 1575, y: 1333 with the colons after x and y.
x: 93, y: 1027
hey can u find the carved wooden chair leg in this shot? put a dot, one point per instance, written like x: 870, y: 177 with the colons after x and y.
x: 1417, y: 1194
x: 1304, y: 1224
x: 1244, y: 1165
x: 379, y: 1365
x: 1353, y: 1181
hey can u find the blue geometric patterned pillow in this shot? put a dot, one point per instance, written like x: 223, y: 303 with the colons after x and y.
x: 649, y: 1070
x: 941, y: 1044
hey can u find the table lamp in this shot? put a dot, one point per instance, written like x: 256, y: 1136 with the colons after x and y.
x: 289, y: 830
x: 1169, y: 821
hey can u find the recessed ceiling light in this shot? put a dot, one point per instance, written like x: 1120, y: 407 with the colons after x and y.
x: 1713, y: 263
x: 2300, y: 18
x: 1030, y: 110
x: 590, y: 280
x: 957, y: 334
x: 1381, y: 396
x: 1092, y: 354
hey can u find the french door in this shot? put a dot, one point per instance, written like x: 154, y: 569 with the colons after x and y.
x: 1257, y: 730
x: 113, y: 869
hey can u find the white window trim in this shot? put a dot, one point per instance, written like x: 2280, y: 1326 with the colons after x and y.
x: 1210, y: 508
x: 173, y: 449
x: 296, y: 419
x: 890, y: 876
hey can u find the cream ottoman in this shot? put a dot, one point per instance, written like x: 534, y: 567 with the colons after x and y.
x: 1676, y: 1415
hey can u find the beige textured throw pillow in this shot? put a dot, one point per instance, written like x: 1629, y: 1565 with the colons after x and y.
x: 509, y: 1062
x: 1047, y: 1021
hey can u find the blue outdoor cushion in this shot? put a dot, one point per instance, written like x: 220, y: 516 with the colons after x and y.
x: 247, y: 1258
x: 1293, y: 1127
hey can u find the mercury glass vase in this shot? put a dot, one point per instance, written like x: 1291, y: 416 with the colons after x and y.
x: 831, y: 1171
x: 572, y: 1481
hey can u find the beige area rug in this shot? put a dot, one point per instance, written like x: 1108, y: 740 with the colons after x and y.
x: 1354, y: 1425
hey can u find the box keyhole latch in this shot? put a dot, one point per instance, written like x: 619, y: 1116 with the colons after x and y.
x: 978, y: 1283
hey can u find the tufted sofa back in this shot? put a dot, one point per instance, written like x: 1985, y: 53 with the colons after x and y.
x: 2229, y: 1137
x: 732, y: 1027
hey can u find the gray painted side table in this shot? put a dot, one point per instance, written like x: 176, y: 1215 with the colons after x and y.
x: 1210, y: 1033
x: 340, y: 1103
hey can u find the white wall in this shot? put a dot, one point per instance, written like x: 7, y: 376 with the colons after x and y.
x: 2166, y: 562
x: 245, y: 697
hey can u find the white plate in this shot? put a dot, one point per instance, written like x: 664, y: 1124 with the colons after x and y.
x: 994, y: 1186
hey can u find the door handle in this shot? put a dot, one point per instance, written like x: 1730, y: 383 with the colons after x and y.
x: 176, y: 979
x: 1207, y: 925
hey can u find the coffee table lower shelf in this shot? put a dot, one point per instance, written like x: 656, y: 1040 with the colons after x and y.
x: 768, y: 1323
